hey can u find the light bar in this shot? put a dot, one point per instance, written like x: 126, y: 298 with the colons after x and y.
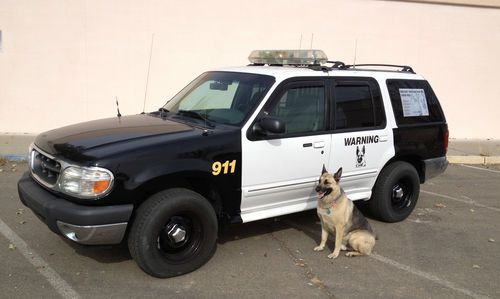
x: 288, y: 57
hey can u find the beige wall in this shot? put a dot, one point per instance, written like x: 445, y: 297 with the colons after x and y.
x: 63, y: 62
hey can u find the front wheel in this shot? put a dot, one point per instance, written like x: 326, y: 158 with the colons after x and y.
x: 395, y: 193
x: 174, y: 233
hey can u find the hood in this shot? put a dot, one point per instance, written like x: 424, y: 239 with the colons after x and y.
x: 89, y: 135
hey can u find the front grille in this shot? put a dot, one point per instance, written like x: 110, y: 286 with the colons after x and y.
x: 45, y: 169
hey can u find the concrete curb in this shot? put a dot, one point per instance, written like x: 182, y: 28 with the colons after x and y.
x: 478, y: 160
x: 15, y: 158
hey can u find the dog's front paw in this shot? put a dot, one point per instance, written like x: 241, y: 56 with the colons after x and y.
x: 319, y: 248
x: 333, y: 255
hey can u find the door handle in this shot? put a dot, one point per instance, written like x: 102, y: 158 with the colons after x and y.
x: 319, y: 144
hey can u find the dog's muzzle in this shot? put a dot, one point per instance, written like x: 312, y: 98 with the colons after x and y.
x: 322, y: 193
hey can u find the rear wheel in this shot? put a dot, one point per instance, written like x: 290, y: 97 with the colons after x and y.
x: 395, y: 193
x: 174, y: 233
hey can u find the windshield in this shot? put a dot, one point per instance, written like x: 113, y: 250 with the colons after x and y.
x: 220, y: 97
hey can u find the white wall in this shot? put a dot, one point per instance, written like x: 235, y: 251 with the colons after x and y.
x: 64, y: 62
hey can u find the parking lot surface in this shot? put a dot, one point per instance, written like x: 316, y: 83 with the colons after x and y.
x: 448, y: 248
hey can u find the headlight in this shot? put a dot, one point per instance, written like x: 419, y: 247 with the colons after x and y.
x: 85, y: 182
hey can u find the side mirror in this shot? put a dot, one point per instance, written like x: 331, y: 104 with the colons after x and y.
x: 269, y: 125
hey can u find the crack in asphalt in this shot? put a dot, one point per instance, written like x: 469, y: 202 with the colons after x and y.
x: 311, y: 276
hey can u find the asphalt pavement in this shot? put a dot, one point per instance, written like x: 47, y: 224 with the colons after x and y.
x: 448, y: 248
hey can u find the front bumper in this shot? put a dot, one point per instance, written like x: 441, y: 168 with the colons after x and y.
x: 93, y: 225
x: 435, y: 166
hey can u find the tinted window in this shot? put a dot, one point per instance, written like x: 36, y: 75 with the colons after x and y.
x: 302, y: 108
x: 414, y: 102
x: 357, y: 105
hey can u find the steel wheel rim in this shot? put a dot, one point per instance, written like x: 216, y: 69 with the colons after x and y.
x: 401, y: 194
x: 180, y: 238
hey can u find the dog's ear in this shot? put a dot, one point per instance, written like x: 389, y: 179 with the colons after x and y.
x: 337, y: 175
x: 324, y: 170
x: 357, y: 150
x: 363, y: 149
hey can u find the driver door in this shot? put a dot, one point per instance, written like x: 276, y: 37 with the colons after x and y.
x: 279, y: 171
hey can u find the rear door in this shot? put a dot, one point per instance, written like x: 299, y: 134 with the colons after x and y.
x: 279, y: 172
x: 362, y: 142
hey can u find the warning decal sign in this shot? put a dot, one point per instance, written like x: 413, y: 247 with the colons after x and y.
x: 414, y: 102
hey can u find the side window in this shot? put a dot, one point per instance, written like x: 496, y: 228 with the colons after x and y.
x: 302, y: 108
x: 414, y: 102
x: 358, y: 105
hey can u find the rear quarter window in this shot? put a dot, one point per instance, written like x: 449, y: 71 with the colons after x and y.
x: 414, y: 102
x: 358, y: 104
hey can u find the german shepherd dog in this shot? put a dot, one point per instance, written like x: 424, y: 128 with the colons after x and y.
x: 339, y: 216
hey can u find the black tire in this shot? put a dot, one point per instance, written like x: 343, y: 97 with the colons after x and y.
x: 395, y: 193
x: 155, y: 240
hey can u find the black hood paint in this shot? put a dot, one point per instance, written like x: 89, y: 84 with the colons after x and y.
x: 83, y: 137
x: 147, y: 153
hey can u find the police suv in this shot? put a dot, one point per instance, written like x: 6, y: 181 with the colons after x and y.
x: 238, y: 145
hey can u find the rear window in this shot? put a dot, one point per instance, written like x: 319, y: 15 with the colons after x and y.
x: 414, y: 102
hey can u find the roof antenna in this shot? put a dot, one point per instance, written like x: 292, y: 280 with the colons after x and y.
x: 147, y: 77
x: 355, y: 52
x: 117, y: 108
x: 300, y: 42
x: 312, y: 38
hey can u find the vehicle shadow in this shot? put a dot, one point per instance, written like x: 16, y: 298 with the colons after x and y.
x: 305, y: 222
x: 106, y: 254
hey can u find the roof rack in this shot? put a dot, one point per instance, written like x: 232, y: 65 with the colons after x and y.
x: 313, y: 59
x: 337, y: 64
x: 342, y: 66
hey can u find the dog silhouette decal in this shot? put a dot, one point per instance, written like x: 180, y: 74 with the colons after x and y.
x: 360, y: 157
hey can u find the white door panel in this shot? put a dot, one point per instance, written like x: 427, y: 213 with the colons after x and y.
x: 281, y: 173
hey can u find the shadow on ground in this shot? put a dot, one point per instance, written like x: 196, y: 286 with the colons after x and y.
x: 118, y: 253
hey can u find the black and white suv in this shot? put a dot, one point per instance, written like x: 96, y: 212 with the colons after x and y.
x: 238, y: 145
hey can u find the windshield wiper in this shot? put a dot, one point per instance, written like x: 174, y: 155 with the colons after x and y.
x: 194, y: 114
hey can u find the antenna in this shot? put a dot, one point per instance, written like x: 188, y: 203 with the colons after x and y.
x: 300, y: 42
x: 312, y: 37
x: 117, y: 108
x: 147, y: 77
x: 355, y: 52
